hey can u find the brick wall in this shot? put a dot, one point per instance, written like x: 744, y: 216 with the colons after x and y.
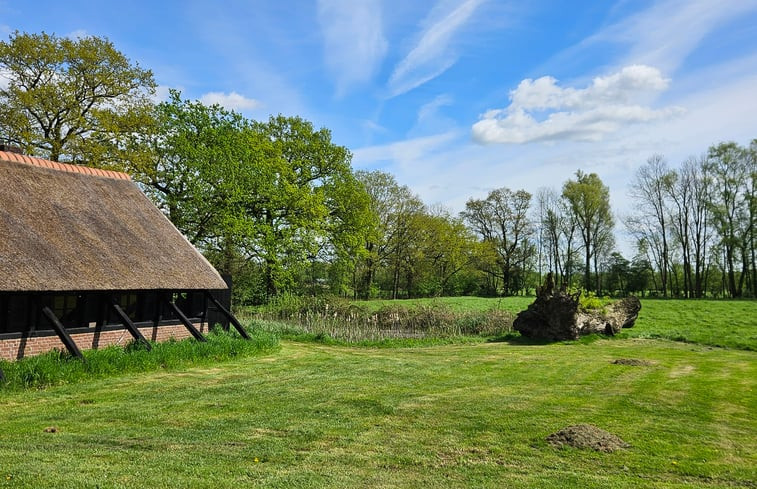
x: 13, y: 349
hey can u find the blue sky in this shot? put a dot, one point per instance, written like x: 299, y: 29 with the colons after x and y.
x: 454, y: 97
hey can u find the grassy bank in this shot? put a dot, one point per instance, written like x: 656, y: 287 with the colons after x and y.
x: 448, y: 416
x: 56, y: 367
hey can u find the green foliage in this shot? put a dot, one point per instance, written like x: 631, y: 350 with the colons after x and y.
x: 588, y: 301
x: 263, y: 200
x: 502, y: 222
x: 55, y: 367
x: 71, y: 99
x: 588, y: 201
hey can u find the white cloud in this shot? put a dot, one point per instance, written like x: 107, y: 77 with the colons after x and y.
x: 432, y: 54
x: 608, y: 104
x: 230, y: 101
x: 5, y: 30
x: 354, y: 43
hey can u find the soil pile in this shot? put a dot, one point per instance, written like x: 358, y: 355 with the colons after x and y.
x: 587, y: 436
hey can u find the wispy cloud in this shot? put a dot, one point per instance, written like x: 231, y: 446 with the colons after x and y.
x: 430, y: 109
x: 402, y: 152
x: 662, y: 35
x: 354, y: 43
x: 5, y: 30
x: 584, y: 114
x: 665, y: 34
x: 433, y: 53
x: 230, y: 101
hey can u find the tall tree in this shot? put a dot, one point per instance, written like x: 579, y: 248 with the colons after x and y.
x: 71, y: 99
x: 446, y: 249
x: 751, y: 197
x: 589, y: 202
x: 301, y: 203
x: 558, y: 228
x: 728, y: 165
x: 501, y: 220
x: 388, y: 244
x: 650, y: 191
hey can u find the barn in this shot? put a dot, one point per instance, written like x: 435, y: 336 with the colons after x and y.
x: 87, y: 260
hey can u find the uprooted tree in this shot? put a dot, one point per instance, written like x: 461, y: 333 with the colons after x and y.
x: 556, y: 315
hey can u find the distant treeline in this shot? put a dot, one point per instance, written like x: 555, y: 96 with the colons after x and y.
x: 277, y: 206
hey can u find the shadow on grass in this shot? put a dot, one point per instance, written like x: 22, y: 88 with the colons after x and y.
x: 517, y: 339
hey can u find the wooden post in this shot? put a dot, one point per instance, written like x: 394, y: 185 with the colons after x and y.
x: 130, y: 325
x: 62, y: 333
x: 186, y: 322
x: 228, y: 315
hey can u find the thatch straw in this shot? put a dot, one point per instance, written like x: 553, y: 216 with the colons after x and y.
x: 64, y: 228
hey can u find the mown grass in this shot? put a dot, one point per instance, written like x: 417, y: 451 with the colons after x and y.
x: 476, y: 415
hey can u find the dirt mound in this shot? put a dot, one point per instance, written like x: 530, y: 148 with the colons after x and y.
x: 587, y: 436
x: 634, y: 362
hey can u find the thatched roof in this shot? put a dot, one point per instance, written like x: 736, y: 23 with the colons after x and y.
x: 65, y: 227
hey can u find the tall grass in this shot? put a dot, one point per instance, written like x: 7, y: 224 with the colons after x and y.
x: 343, y: 320
x: 56, y: 367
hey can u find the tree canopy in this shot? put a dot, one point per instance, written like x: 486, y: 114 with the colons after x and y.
x: 70, y: 99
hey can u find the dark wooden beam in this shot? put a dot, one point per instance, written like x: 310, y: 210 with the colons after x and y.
x: 60, y: 330
x: 186, y: 322
x: 126, y: 320
x: 228, y: 315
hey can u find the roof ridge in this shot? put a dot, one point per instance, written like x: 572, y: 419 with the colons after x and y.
x: 66, y: 167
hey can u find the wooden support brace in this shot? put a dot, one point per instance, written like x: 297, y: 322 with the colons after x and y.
x: 60, y: 330
x: 186, y: 322
x: 228, y: 315
x: 126, y: 320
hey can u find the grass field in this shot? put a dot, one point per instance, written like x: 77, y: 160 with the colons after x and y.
x: 730, y: 324
x: 455, y: 415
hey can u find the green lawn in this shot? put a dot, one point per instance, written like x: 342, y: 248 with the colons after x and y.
x: 473, y: 415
